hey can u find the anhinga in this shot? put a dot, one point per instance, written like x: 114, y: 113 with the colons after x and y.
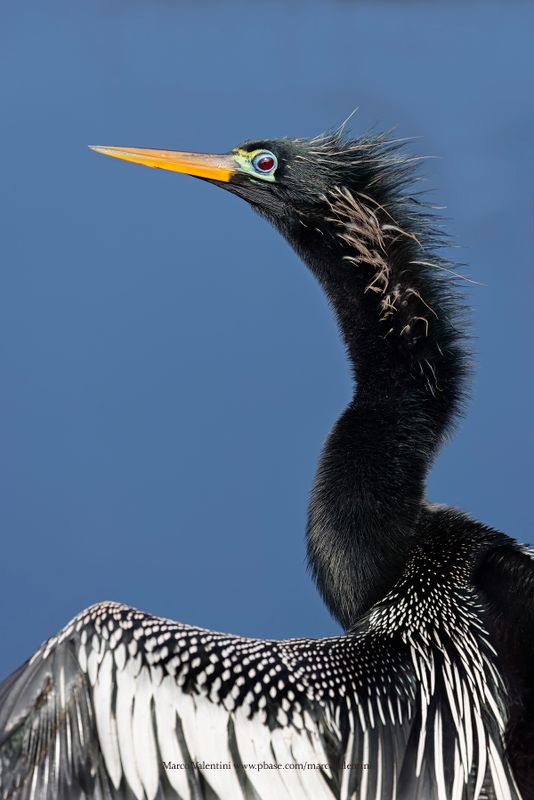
x: 428, y: 695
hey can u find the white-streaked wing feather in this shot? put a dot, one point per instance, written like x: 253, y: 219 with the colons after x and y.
x: 169, y: 746
x: 124, y: 716
x: 144, y: 744
x: 105, y: 720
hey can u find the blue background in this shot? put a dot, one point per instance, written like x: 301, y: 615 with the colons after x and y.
x: 168, y: 368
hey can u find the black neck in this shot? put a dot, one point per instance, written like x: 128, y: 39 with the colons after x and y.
x: 395, y: 317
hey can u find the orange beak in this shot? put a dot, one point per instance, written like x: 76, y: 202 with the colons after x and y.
x: 201, y: 165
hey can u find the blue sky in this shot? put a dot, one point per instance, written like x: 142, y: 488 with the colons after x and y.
x: 169, y: 370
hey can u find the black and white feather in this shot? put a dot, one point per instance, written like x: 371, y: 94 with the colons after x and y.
x: 407, y: 705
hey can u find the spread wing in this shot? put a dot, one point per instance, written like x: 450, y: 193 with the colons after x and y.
x: 125, y: 705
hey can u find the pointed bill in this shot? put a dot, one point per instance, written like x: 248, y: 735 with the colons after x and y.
x: 201, y: 165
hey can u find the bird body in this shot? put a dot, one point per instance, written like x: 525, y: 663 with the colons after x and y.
x: 428, y: 694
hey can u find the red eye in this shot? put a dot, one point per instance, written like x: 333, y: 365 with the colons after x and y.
x: 264, y: 162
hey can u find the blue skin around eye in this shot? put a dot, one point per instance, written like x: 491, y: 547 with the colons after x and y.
x: 259, y: 157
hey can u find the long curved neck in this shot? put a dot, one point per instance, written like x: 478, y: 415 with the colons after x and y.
x: 396, y: 318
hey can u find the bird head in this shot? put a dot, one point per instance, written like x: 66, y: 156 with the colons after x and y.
x: 346, y: 207
x: 286, y: 180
